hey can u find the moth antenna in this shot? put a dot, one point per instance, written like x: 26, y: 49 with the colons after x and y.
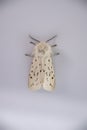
x: 34, y: 38
x: 33, y: 43
x: 54, y: 45
x: 51, y: 38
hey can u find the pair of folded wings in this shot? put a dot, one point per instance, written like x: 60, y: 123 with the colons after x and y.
x: 42, y: 74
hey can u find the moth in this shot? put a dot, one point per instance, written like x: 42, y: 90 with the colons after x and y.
x: 42, y: 70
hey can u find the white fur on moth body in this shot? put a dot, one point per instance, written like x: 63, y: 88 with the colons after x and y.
x: 42, y: 70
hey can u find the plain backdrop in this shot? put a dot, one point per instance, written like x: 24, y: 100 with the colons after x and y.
x: 66, y: 107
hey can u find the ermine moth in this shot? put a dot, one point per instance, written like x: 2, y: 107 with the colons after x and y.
x: 42, y: 70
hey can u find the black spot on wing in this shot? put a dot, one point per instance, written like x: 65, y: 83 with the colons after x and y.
x: 37, y: 73
x: 35, y: 59
x: 48, y: 60
x: 52, y: 78
x: 43, y: 70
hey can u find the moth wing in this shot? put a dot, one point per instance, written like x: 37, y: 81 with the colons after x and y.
x: 34, y: 76
x: 49, y: 77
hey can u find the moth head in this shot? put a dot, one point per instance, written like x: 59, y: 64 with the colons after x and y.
x: 42, y: 48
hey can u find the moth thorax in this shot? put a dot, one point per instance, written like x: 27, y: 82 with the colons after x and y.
x: 42, y: 48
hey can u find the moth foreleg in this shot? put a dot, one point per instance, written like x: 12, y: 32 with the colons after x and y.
x: 55, y: 54
x: 29, y: 55
x: 54, y: 45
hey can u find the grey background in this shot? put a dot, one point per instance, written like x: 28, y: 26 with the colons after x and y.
x: 66, y: 107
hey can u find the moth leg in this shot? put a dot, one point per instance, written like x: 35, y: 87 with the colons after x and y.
x: 34, y: 38
x: 55, y: 54
x: 29, y: 55
x: 33, y: 43
x: 51, y: 38
x: 54, y: 45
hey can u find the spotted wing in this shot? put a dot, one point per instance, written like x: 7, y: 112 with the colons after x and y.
x: 49, y: 77
x: 35, y: 74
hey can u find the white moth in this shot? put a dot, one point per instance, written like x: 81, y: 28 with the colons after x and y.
x: 42, y: 70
